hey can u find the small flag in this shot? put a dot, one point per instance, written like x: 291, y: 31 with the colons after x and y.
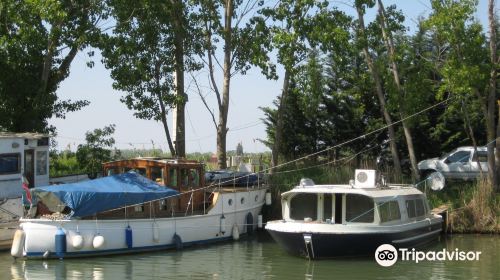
x: 26, y: 189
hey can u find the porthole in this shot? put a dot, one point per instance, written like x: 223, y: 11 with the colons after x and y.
x: 256, y: 198
x: 230, y: 202
x: 242, y: 200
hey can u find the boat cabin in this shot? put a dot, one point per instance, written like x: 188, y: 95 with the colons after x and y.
x: 23, y: 154
x: 185, y: 176
x: 337, y: 204
x: 364, y: 200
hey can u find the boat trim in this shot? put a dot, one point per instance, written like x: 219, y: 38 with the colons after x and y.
x: 127, y: 250
x: 409, y: 239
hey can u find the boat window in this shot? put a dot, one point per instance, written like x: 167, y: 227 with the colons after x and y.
x: 173, y: 177
x: 163, y: 205
x: 359, y: 209
x: 184, y: 177
x: 10, y: 163
x: 410, y: 208
x: 139, y: 208
x: 389, y: 211
x: 140, y: 171
x: 195, y: 177
x: 157, y: 175
x: 112, y: 171
x: 304, y: 205
x: 327, y: 207
x: 41, y: 163
x: 419, y: 205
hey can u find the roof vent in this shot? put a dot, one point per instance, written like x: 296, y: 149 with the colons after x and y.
x: 306, y: 182
x: 365, y: 178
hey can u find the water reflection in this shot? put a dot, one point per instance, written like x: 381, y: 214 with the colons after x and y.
x: 260, y: 258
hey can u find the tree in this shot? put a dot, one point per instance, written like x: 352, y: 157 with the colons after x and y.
x: 38, y: 42
x: 223, y: 21
x: 96, y: 150
x: 467, y: 69
x: 144, y: 51
x: 298, y: 27
x: 387, y: 35
x: 239, y: 149
x: 378, y: 83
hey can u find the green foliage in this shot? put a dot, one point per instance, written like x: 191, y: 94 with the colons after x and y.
x: 38, y: 42
x: 96, y: 150
x: 63, y: 164
x: 239, y: 149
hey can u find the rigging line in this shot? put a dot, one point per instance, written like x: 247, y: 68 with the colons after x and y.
x: 236, y: 128
x: 344, y: 159
x: 319, y: 152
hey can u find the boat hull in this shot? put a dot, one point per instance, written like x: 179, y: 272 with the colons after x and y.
x: 146, y: 234
x: 318, y: 245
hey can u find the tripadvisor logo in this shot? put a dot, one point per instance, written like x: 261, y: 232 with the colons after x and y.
x: 387, y: 255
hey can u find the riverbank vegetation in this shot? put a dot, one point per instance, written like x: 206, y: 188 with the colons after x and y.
x: 474, y: 206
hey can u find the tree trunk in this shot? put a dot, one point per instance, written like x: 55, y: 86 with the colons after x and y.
x: 180, y: 131
x: 279, y: 121
x: 497, y: 154
x: 165, y: 125
x: 490, y: 118
x: 380, y: 95
x: 163, y: 111
x: 224, y: 107
x: 392, y: 54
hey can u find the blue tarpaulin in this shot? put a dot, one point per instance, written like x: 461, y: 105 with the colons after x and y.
x: 90, y: 197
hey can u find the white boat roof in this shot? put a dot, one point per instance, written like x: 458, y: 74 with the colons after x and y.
x: 389, y: 191
x: 26, y: 135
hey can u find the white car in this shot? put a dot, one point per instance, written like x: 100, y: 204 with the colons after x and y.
x: 461, y: 163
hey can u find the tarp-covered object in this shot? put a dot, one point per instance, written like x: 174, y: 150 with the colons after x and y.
x: 90, y: 197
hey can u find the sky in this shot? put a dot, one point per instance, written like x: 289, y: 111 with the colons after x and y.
x: 247, y: 94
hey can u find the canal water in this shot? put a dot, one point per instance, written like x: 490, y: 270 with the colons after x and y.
x: 258, y: 257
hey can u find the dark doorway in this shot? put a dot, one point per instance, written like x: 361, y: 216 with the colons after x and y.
x: 338, y: 208
x: 29, y: 167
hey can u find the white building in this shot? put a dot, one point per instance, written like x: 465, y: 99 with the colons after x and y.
x: 23, y: 154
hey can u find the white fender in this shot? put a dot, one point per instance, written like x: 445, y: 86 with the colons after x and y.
x: 156, y: 232
x: 259, y: 221
x: 18, y: 244
x: 268, y: 198
x: 223, y: 224
x: 77, y: 241
x: 98, y: 241
x: 236, y: 232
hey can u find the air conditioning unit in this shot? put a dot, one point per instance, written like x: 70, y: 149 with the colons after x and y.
x: 365, y: 178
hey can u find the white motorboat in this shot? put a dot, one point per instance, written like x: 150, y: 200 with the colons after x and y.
x: 325, y: 221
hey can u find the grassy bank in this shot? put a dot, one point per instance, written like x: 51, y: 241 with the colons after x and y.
x: 474, y: 206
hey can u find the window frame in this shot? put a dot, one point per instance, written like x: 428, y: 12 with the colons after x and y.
x: 45, y: 162
x: 346, y: 205
x: 381, y: 204
x: 19, y: 160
